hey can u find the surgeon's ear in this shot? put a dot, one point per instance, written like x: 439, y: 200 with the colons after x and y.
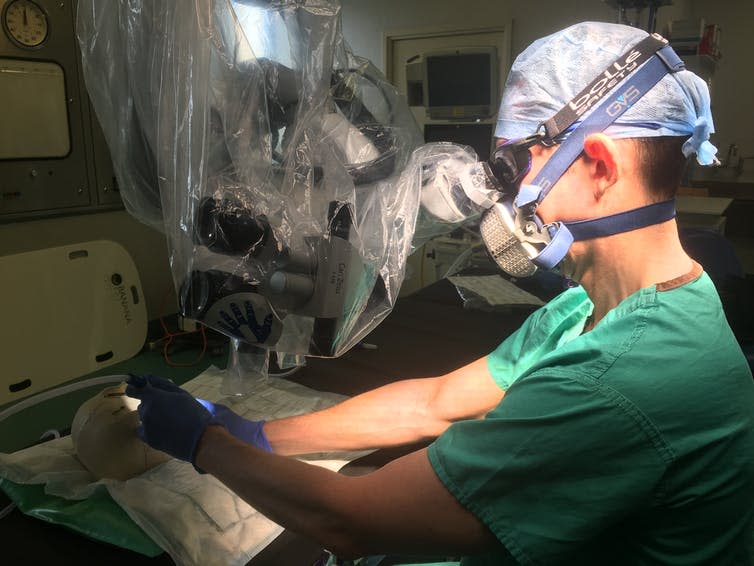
x: 604, y: 161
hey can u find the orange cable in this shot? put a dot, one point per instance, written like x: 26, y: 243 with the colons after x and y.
x: 169, y: 336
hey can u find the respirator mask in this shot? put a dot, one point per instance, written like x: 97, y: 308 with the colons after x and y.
x: 515, y: 236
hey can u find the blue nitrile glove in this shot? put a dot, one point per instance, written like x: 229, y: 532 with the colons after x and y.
x: 171, y: 419
x: 154, y: 381
x: 250, y: 432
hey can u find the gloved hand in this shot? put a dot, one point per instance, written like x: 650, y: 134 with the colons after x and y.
x: 243, y: 429
x: 171, y: 419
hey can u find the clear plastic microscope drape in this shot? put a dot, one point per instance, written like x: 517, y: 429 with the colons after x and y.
x: 270, y: 155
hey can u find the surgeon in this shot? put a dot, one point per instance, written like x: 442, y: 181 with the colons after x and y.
x: 616, y: 426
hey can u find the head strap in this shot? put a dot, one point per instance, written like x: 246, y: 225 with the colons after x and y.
x: 603, y: 84
x: 636, y: 86
x: 622, y: 221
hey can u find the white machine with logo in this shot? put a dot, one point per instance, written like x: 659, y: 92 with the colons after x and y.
x: 69, y: 311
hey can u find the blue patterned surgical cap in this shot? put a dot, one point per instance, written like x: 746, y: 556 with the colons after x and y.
x: 554, y: 69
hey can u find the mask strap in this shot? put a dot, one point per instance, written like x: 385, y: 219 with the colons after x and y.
x: 610, y: 110
x: 622, y: 221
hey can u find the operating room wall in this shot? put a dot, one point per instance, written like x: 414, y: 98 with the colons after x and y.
x: 366, y: 24
x: 732, y: 85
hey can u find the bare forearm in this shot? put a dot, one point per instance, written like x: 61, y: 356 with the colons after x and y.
x: 402, y: 507
x: 299, y: 496
x: 392, y: 415
x: 403, y: 412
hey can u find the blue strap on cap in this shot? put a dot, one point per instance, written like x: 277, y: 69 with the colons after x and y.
x: 637, y: 85
x: 603, y: 84
x: 562, y: 235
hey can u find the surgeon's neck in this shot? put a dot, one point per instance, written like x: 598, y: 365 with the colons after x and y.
x: 612, y: 268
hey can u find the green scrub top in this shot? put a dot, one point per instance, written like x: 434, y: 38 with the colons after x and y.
x: 629, y: 444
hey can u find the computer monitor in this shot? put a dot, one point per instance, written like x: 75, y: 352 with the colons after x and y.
x: 461, y: 83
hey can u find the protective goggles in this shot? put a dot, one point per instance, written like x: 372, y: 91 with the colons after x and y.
x: 514, y: 234
x: 516, y: 237
x: 511, y: 160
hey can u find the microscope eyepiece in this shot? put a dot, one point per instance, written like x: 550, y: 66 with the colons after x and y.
x: 228, y: 226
